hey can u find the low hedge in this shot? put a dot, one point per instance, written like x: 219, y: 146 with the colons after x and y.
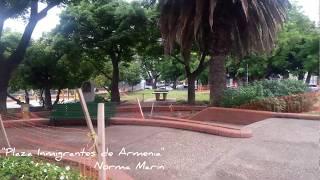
x: 271, y: 95
x: 291, y: 104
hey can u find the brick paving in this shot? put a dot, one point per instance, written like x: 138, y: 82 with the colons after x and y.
x: 281, y: 149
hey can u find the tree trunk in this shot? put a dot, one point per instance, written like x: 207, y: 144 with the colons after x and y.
x: 155, y: 80
x: 47, y: 99
x: 41, y: 99
x: 301, y: 76
x: 115, y: 94
x: 217, y: 79
x: 308, y: 78
x: 57, y: 97
x: 191, y: 89
x: 27, y: 98
x: 4, y: 82
x: 174, y: 84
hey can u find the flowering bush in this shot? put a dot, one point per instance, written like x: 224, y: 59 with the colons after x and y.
x: 28, y: 168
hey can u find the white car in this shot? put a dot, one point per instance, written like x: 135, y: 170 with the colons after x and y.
x: 148, y: 87
x: 168, y: 88
x: 313, y: 88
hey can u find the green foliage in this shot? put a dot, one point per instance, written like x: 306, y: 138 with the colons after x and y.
x: 296, y: 52
x: 47, y: 65
x: 171, y: 70
x: 9, y: 42
x: 261, y: 90
x: 106, y: 31
x: 131, y: 73
x: 282, y: 87
x: 99, y: 99
x: 28, y: 168
x: 101, y: 81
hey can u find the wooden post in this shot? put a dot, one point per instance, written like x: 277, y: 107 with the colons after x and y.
x: 87, y: 117
x: 151, y: 113
x: 3, y: 130
x: 141, y: 112
x: 101, y: 140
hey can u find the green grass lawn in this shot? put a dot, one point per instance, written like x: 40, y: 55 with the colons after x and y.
x: 179, y: 95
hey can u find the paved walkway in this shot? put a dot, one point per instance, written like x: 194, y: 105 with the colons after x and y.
x: 282, y: 149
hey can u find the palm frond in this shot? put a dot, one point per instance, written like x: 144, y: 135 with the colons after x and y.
x: 222, y: 26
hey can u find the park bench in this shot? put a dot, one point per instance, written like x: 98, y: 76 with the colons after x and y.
x: 158, y: 93
x: 72, y: 113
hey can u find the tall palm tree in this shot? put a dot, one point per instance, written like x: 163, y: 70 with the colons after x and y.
x: 221, y: 28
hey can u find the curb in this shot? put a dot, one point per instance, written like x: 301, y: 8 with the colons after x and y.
x: 191, y: 126
x: 244, y: 117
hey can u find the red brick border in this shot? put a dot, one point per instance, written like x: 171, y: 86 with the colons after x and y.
x: 244, y: 117
x: 185, y: 125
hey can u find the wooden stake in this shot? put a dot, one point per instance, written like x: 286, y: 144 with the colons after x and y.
x: 87, y: 117
x: 141, y: 112
x: 3, y: 130
x: 101, y: 140
x: 151, y: 113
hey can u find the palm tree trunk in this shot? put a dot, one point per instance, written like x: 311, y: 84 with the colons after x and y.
x: 217, y: 79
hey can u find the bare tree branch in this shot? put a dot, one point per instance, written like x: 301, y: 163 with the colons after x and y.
x: 17, y: 56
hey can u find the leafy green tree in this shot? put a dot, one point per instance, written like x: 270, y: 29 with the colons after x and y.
x: 9, y: 61
x: 132, y: 74
x: 296, y: 51
x: 150, y: 49
x: 47, y: 66
x: 172, y: 71
x: 257, y: 67
x: 107, y: 30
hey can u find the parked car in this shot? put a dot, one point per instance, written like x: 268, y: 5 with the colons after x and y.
x: 313, y: 88
x: 148, y: 87
x: 168, y: 88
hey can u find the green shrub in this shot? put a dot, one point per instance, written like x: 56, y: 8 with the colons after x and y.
x: 99, y: 99
x: 261, y: 90
x: 242, y: 95
x: 283, y: 87
x: 29, y: 168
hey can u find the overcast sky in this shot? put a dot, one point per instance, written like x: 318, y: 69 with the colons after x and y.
x: 309, y: 7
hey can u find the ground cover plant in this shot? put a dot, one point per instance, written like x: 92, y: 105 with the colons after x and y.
x: 31, y: 168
